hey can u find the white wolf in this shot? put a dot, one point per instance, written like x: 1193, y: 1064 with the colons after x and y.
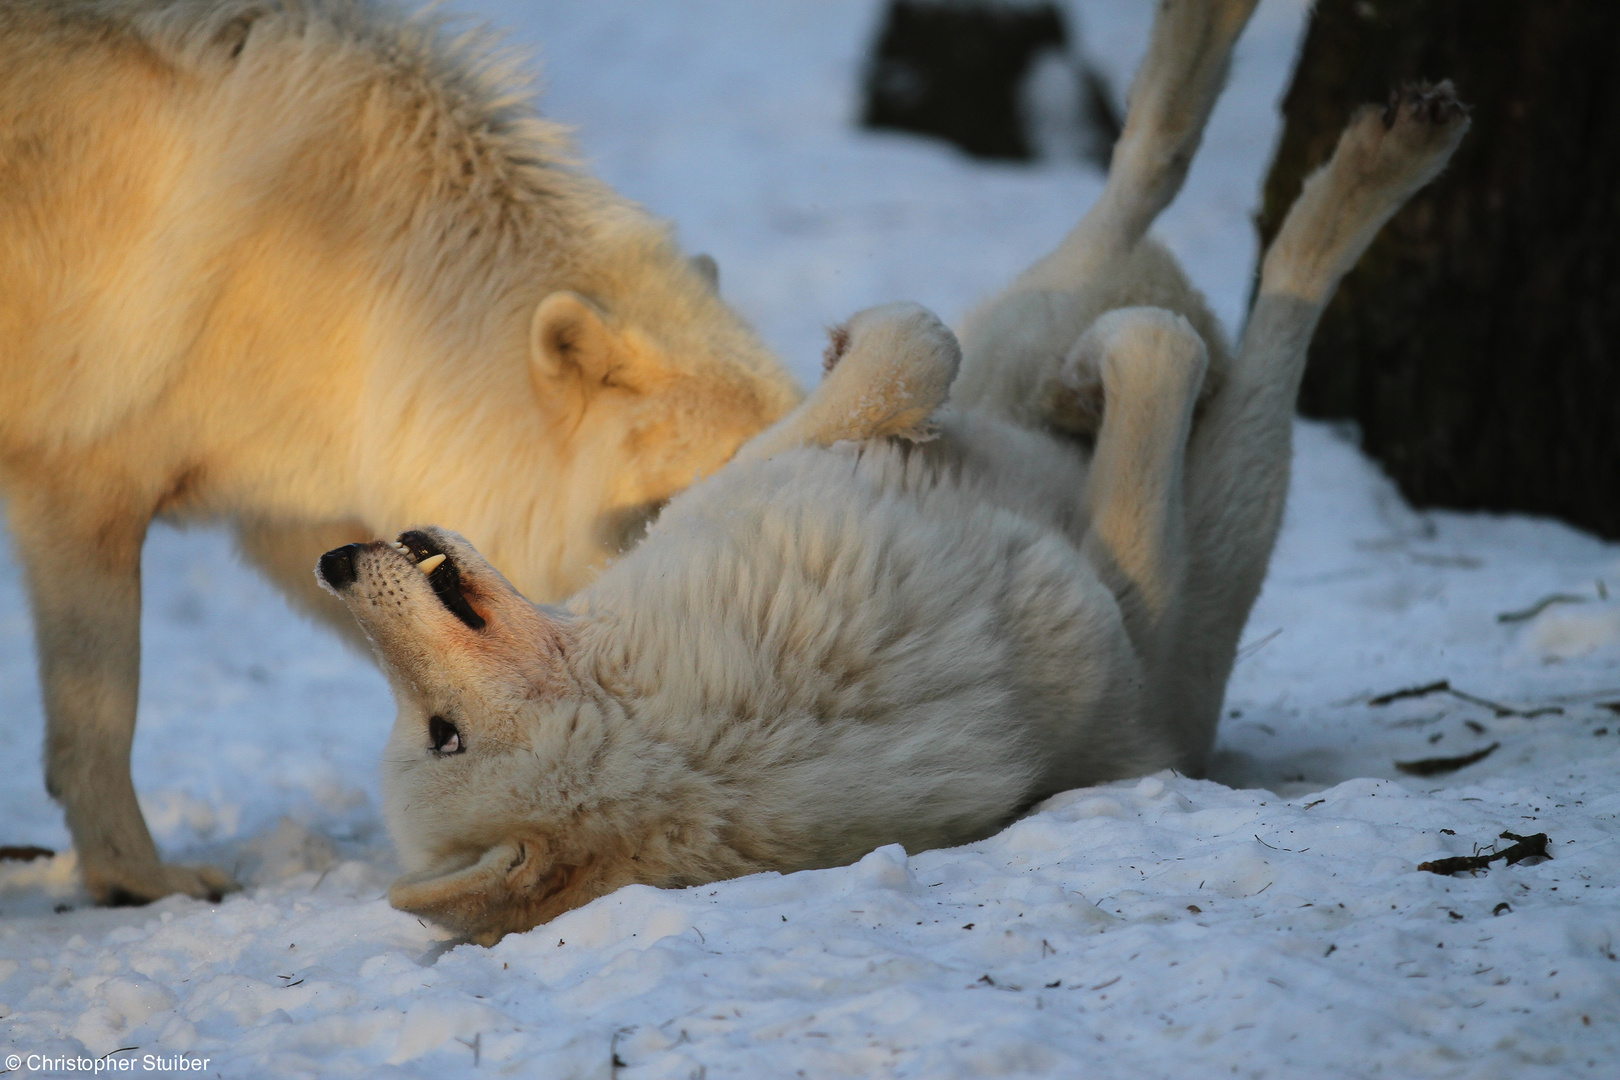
x: 317, y: 268
x: 894, y: 618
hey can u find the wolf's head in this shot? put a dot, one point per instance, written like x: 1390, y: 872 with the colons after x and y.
x: 655, y: 378
x: 494, y: 780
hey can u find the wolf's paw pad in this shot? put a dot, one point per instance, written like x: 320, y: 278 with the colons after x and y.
x: 1419, y: 127
x: 1422, y: 103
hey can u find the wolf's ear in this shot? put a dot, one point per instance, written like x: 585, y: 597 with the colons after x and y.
x: 570, y: 340
x: 708, y: 270
x: 513, y: 888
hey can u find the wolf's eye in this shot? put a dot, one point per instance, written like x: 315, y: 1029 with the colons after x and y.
x: 446, y: 739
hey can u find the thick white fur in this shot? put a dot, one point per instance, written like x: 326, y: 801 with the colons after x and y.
x: 835, y: 644
x: 318, y: 268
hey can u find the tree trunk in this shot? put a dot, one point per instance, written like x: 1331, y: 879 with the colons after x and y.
x: 959, y: 70
x: 1477, y: 344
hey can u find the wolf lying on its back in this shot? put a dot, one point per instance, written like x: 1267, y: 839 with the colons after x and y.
x: 887, y: 621
x: 318, y: 269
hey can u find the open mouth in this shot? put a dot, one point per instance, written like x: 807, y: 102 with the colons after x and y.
x: 442, y: 574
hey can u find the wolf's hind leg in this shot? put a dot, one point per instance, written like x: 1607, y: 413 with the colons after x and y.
x: 1012, y: 343
x: 1238, y: 456
x: 888, y: 369
x: 1151, y: 363
x: 1169, y: 103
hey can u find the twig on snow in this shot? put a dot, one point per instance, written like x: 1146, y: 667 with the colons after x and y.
x: 1436, y: 765
x: 1410, y: 692
x: 1525, y: 847
x: 1525, y: 614
x: 1506, y: 710
x: 1443, y: 686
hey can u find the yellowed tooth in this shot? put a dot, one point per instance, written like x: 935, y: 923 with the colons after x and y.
x: 428, y: 565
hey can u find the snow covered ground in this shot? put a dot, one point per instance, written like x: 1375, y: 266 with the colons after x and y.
x: 1268, y: 922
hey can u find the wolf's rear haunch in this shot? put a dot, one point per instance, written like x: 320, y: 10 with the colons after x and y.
x: 319, y: 269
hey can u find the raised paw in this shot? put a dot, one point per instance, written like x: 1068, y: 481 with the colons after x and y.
x: 1384, y: 156
x: 1143, y: 352
x: 887, y: 370
x: 1424, y: 123
x: 1401, y: 147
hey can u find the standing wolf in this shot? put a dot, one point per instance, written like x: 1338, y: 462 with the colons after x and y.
x: 913, y: 607
x: 316, y: 268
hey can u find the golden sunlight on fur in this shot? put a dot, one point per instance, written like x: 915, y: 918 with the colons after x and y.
x: 319, y: 269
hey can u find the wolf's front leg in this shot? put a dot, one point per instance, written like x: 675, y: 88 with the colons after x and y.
x: 1151, y: 364
x: 83, y: 570
x: 1238, y: 457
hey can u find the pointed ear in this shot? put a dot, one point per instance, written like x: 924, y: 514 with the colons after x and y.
x: 570, y: 339
x: 513, y: 888
x: 708, y: 269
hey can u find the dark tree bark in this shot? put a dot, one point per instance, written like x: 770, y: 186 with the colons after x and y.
x: 1477, y: 344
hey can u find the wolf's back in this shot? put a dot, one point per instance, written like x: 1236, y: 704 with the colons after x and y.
x: 170, y: 169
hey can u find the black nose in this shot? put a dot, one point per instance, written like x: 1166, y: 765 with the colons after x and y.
x: 337, y: 566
